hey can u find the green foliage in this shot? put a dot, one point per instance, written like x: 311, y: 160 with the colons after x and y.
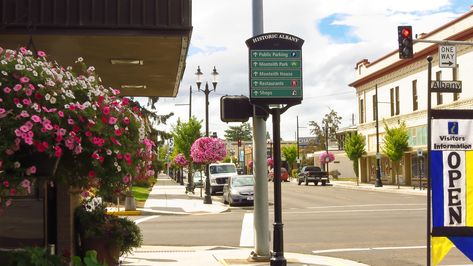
x: 290, y: 152
x: 90, y: 259
x: 333, y: 121
x: 294, y: 172
x: 355, y: 149
x: 229, y: 159
x: 395, y: 142
x: 93, y: 222
x: 184, y: 134
x: 242, y: 132
x: 33, y: 256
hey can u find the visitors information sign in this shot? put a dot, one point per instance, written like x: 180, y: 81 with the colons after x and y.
x: 451, y: 174
x: 275, y: 63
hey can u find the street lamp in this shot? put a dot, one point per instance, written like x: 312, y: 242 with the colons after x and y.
x: 198, y: 81
x: 378, y: 182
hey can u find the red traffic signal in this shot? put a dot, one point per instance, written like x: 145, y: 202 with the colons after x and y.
x: 404, y: 36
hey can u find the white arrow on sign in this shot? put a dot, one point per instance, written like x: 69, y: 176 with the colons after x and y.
x: 447, y: 56
x: 255, y: 83
x: 255, y: 54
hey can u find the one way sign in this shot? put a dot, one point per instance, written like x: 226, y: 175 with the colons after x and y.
x: 447, y: 56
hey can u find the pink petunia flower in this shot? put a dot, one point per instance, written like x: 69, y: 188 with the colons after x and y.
x: 17, y: 87
x: 36, y: 118
x: 7, y: 90
x: 41, y: 54
x: 24, y: 79
x: 112, y: 120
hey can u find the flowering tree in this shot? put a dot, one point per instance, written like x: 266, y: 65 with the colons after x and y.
x: 207, y: 150
x: 99, y: 138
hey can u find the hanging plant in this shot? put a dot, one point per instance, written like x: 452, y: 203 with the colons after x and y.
x: 207, y: 150
x: 323, y: 156
x: 95, y: 137
x: 180, y: 160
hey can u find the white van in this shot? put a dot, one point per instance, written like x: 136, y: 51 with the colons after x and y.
x: 218, y: 175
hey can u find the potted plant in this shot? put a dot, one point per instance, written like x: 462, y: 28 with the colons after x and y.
x: 64, y: 118
x: 110, y: 236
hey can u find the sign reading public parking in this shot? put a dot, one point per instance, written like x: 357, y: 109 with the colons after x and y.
x: 275, y: 75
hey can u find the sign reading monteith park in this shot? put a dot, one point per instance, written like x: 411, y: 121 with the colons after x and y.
x: 275, y: 61
x: 452, y: 186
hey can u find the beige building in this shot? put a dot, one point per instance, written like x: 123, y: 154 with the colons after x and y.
x: 402, y: 97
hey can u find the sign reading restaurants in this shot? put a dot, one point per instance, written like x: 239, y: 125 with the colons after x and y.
x: 275, y: 61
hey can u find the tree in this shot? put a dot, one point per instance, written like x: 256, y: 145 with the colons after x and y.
x: 333, y: 121
x: 395, y: 144
x: 184, y: 134
x: 241, y: 132
x: 290, y: 152
x: 355, y: 148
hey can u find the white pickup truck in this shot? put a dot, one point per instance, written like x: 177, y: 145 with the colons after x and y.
x: 218, y: 175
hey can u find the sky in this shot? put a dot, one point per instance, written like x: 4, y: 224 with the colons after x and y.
x: 337, y: 35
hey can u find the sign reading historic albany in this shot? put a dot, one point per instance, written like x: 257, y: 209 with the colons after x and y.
x: 275, y: 75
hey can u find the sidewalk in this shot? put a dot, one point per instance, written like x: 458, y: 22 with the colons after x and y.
x: 385, y: 188
x: 168, y: 198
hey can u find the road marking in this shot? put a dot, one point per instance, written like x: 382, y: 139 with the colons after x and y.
x: 247, y: 237
x: 365, y: 205
x: 365, y: 249
x: 348, y: 211
x: 144, y: 219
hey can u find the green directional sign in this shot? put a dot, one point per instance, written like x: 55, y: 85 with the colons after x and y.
x: 265, y: 73
x: 275, y: 64
x: 275, y: 54
x: 275, y: 61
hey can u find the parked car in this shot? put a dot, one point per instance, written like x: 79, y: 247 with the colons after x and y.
x: 312, y: 174
x: 219, y: 174
x: 284, y: 175
x: 239, y: 189
x: 199, y: 178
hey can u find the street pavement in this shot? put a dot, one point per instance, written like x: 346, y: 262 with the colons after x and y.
x: 169, y: 198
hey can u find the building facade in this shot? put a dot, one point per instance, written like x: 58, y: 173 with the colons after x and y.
x: 401, y: 87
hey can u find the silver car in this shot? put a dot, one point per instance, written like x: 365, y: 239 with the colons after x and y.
x: 199, y: 178
x: 239, y: 190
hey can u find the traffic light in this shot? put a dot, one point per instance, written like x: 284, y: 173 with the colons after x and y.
x: 404, y: 37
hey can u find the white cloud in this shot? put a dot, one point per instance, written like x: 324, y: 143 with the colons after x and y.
x: 222, y: 26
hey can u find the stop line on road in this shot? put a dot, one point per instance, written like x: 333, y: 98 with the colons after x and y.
x: 365, y: 249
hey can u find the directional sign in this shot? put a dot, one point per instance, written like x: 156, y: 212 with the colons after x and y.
x: 446, y: 86
x: 275, y: 61
x: 447, y: 56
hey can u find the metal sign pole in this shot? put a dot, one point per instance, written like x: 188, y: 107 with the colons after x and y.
x: 277, y: 258
x: 429, y: 136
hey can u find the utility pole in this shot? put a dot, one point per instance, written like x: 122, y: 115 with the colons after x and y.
x: 261, y: 216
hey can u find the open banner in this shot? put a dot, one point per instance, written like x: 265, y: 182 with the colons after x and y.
x: 451, y: 172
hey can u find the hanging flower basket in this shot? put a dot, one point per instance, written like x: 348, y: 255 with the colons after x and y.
x: 207, y: 150
x: 180, y: 160
x: 66, y: 114
x: 270, y: 162
x: 323, y: 157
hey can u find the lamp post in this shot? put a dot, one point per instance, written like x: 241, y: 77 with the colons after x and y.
x: 378, y: 182
x: 206, y: 91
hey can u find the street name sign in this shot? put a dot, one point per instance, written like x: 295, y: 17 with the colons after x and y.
x: 447, y: 56
x: 275, y: 68
x: 446, y: 86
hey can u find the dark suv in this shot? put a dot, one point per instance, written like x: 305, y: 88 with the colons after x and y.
x: 312, y: 174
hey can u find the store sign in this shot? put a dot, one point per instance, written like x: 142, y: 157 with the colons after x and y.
x: 452, y: 179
